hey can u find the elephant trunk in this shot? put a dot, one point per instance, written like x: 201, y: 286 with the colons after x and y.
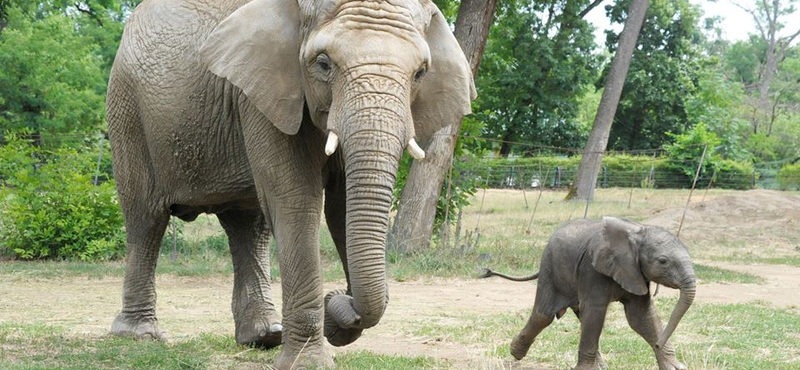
x: 688, y: 289
x: 372, y: 145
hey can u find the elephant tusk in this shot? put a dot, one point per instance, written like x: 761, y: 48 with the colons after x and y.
x: 333, y: 142
x: 415, y: 150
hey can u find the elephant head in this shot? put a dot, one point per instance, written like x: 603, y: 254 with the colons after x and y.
x: 634, y: 254
x: 375, y: 77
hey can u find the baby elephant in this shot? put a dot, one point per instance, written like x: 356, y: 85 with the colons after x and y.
x: 588, y: 264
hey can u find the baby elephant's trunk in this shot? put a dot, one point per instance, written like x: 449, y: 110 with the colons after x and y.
x: 688, y: 291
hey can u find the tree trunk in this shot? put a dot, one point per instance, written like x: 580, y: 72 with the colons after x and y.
x: 413, y: 225
x: 585, y: 179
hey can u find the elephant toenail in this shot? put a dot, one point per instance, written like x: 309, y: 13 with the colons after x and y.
x: 275, y: 328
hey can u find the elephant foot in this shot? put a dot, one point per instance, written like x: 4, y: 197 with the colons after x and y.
x: 670, y: 363
x: 592, y: 363
x: 261, y: 330
x: 588, y: 366
x: 520, y: 346
x: 307, y: 357
x: 136, y: 327
x: 334, y: 332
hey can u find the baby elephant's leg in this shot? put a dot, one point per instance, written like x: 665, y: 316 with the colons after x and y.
x: 592, y: 319
x: 522, y: 342
x: 643, y: 319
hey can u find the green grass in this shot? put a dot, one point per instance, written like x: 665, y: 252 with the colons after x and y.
x: 40, y: 347
x: 711, y: 336
x: 712, y: 274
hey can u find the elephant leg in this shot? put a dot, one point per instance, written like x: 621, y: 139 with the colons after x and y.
x: 144, y: 233
x: 335, y: 213
x: 297, y: 234
x: 592, y: 319
x: 257, y: 322
x: 523, y: 341
x: 642, y: 318
x: 600, y: 361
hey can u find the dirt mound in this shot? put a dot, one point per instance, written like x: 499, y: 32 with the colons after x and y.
x: 753, y: 210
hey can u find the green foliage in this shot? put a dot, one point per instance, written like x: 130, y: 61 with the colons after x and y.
x: 51, y: 209
x: 688, y: 148
x: 789, y: 176
x: 535, y: 71
x: 718, y: 103
x: 52, y: 80
x: 662, y: 74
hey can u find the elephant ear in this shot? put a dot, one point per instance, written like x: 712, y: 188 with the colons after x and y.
x: 617, y: 254
x: 257, y: 48
x: 445, y: 93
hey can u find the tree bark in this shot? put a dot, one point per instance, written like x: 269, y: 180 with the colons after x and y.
x: 413, y: 226
x: 585, y: 179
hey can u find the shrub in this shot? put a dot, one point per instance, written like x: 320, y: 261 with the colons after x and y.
x: 50, y: 207
x: 789, y: 176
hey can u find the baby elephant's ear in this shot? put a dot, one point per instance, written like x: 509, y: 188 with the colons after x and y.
x: 616, y: 254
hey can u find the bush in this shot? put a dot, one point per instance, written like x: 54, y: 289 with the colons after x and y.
x: 789, y: 176
x: 50, y: 207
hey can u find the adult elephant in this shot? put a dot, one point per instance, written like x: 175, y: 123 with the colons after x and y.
x: 225, y: 107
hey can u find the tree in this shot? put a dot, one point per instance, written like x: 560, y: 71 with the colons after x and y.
x: 52, y: 79
x: 586, y: 177
x: 413, y: 225
x: 56, y: 57
x: 540, y: 59
x: 769, y: 20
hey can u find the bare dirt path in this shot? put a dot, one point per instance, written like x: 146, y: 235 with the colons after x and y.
x: 189, y: 306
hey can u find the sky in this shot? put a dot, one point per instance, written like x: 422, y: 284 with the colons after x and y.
x: 736, y: 24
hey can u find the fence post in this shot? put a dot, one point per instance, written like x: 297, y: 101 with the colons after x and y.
x: 522, y: 187
x: 174, y: 256
x: 536, y: 205
x: 557, y: 183
x: 694, y: 183
x: 633, y: 184
x: 99, y: 160
x: 605, y: 181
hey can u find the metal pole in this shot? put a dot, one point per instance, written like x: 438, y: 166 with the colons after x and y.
x: 99, y: 159
x: 591, y: 194
x: 174, y: 256
x: 711, y: 181
x: 536, y: 205
x: 694, y: 183
x: 633, y: 183
x: 522, y: 186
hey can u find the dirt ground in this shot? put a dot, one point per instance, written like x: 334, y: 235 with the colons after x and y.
x: 188, y: 306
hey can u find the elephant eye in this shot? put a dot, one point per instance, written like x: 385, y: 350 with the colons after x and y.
x: 420, y: 73
x: 663, y: 260
x: 324, y: 62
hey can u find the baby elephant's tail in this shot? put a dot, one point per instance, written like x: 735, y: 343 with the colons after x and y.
x: 489, y: 273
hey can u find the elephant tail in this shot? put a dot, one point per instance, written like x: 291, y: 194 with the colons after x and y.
x: 489, y: 273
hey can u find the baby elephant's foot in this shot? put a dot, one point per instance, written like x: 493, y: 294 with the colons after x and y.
x: 520, y: 346
x: 670, y: 363
x: 594, y: 363
x: 261, y: 330
x: 588, y: 366
x: 137, y: 327
x: 308, y: 357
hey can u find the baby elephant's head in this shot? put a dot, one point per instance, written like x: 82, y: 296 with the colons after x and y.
x: 633, y: 254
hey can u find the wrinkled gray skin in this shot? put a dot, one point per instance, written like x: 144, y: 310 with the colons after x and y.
x: 225, y: 106
x: 588, y: 264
